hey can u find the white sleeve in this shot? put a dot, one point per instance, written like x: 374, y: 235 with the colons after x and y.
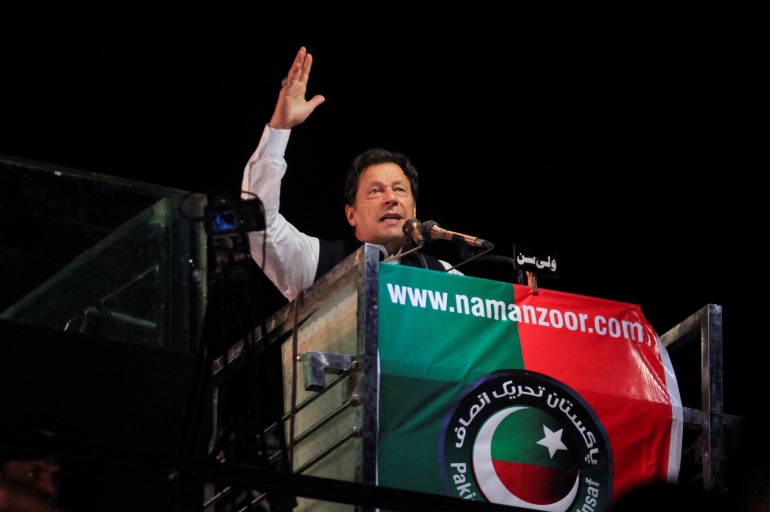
x: 290, y: 256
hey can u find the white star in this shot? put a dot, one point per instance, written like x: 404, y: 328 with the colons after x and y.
x: 552, y: 440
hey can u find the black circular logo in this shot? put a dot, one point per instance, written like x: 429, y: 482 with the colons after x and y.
x: 522, y: 438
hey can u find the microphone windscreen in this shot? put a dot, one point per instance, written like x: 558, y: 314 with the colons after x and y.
x: 427, y: 229
x: 412, y: 230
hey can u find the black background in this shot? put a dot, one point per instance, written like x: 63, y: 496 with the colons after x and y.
x: 621, y: 139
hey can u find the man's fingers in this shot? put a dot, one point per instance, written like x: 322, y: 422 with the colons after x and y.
x: 306, y: 68
x: 300, y: 70
x: 296, y: 67
x: 316, y: 100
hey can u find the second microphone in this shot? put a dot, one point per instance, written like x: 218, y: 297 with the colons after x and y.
x: 432, y: 231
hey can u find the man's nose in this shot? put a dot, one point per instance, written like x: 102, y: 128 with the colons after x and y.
x: 390, y: 196
x: 48, y: 485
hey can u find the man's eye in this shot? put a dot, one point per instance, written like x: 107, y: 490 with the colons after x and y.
x: 376, y: 190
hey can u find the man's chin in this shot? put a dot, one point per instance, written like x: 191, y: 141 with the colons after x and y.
x: 392, y: 243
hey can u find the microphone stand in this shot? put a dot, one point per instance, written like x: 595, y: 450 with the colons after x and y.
x: 412, y: 248
x: 468, y: 254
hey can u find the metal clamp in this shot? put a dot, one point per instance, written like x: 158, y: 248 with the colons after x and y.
x: 315, y: 366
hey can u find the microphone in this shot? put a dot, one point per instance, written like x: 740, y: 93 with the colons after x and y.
x: 432, y: 231
x: 413, y: 231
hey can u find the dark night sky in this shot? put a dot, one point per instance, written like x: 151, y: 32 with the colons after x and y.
x: 618, y: 139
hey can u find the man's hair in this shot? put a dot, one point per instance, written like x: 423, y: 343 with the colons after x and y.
x: 29, y: 445
x: 373, y: 157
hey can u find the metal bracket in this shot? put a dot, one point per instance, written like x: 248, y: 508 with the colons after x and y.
x: 315, y: 366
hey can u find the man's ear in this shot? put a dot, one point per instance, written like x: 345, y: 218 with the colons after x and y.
x: 349, y: 211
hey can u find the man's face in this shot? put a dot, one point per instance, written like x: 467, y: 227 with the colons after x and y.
x: 43, y: 475
x: 384, y: 202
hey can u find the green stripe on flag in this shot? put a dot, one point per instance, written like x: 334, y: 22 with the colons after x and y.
x: 438, y: 333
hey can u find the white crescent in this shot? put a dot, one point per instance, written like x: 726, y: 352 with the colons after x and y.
x: 490, y: 483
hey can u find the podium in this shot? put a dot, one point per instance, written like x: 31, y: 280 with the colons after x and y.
x: 382, y: 388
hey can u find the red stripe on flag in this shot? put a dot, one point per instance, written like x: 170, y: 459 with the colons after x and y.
x: 539, y: 485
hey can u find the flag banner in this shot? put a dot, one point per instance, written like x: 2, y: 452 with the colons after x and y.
x: 487, y: 392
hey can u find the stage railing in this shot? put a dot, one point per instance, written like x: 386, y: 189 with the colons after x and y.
x: 696, y: 348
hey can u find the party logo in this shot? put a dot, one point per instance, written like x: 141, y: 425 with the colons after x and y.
x: 524, y: 439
